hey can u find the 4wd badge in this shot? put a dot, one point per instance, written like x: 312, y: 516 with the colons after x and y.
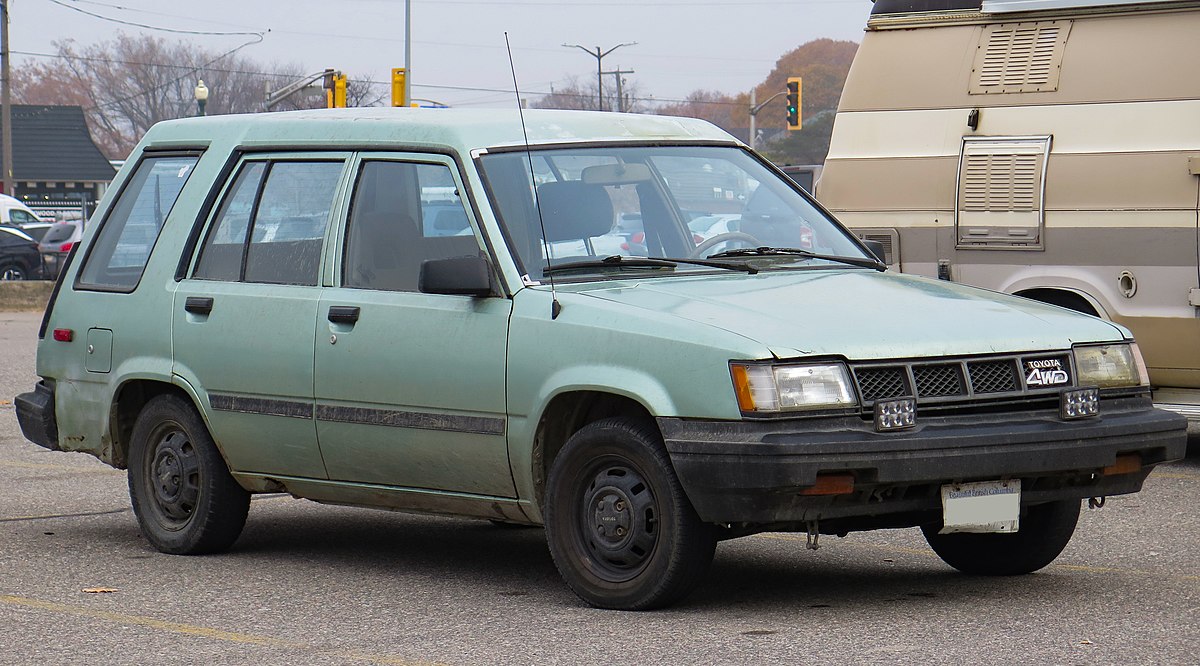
x: 1045, y: 372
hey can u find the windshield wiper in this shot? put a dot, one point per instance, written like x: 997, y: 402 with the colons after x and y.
x: 727, y: 265
x: 795, y: 251
x: 611, y: 261
x: 621, y: 261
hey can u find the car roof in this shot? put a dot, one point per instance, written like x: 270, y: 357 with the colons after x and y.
x: 463, y: 130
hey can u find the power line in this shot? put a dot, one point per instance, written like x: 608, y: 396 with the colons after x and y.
x: 60, y: 3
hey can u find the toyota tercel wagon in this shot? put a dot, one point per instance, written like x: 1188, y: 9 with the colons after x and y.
x: 264, y: 306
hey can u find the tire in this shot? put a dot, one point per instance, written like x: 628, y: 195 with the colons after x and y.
x: 185, y: 500
x: 1044, y: 532
x: 12, y: 271
x: 620, y: 528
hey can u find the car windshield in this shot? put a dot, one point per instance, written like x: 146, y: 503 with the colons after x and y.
x: 677, y: 202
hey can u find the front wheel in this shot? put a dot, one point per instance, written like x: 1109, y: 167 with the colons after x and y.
x: 1044, y: 532
x: 621, y: 530
x: 185, y: 500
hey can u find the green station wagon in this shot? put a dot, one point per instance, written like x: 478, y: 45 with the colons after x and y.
x: 629, y: 329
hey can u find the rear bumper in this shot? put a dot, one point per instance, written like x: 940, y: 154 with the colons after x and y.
x: 753, y: 472
x: 35, y: 413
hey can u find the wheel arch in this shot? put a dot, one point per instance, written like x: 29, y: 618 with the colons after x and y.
x: 128, y: 400
x: 1071, y: 299
x: 564, y: 415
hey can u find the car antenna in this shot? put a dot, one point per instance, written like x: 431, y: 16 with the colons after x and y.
x: 555, y: 306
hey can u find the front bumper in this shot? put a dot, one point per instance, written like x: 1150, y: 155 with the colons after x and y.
x: 753, y: 472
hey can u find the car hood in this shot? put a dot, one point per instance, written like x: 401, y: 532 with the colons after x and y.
x: 860, y: 314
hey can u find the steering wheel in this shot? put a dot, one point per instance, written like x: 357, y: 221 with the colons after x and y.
x: 709, y: 243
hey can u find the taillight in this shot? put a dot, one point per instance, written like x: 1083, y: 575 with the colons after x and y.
x: 66, y: 247
x: 64, y: 334
x: 638, y: 237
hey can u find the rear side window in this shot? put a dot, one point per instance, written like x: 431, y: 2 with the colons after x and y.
x: 271, y: 224
x: 117, y: 258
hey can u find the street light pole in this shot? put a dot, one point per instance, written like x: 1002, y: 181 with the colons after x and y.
x: 201, y: 97
x: 599, y: 56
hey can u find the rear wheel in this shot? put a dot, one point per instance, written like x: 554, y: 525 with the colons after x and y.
x: 622, y: 532
x: 1044, y: 532
x: 12, y: 271
x: 185, y: 500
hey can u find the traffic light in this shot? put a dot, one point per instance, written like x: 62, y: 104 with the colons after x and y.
x: 793, y: 103
x: 335, y: 89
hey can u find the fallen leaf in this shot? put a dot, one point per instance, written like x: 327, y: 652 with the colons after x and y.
x: 99, y: 590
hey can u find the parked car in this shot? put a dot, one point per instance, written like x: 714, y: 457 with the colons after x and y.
x: 641, y: 408
x: 56, y: 243
x: 19, y: 257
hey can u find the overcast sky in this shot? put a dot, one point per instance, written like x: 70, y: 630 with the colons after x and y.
x: 458, y: 54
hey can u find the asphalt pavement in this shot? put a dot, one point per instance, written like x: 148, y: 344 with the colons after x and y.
x: 315, y: 584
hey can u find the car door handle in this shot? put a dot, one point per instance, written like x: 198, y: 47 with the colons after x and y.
x: 343, y: 314
x: 198, y: 304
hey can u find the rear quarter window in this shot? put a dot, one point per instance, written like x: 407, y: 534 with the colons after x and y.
x: 117, y: 258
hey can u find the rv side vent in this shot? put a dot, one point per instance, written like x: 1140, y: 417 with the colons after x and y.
x: 1000, y: 191
x: 890, y: 238
x: 1007, y: 181
x: 1019, y: 57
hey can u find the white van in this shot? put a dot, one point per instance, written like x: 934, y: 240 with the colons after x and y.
x: 1045, y: 148
x: 12, y: 211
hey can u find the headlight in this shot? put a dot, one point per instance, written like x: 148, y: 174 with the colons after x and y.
x: 762, y: 387
x: 1110, y: 366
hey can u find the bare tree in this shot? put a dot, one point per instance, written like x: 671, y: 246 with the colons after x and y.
x: 128, y: 84
x: 582, y: 96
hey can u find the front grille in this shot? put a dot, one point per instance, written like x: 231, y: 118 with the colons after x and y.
x: 960, y: 384
x: 881, y: 383
x: 935, y: 381
x: 993, y: 376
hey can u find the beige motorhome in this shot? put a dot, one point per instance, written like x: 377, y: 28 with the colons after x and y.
x: 1047, y: 148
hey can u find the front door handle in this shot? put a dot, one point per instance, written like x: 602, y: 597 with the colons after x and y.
x: 200, y: 305
x: 343, y: 314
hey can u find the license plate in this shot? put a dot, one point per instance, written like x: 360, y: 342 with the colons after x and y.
x: 984, y: 507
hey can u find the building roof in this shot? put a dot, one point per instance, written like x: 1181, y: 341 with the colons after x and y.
x: 462, y: 130
x: 52, y: 143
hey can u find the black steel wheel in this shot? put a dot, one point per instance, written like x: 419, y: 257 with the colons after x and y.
x: 185, y: 500
x: 621, y: 530
x: 1044, y: 532
x: 13, y: 271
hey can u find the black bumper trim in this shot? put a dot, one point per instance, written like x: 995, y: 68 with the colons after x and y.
x: 752, y: 472
x: 35, y: 413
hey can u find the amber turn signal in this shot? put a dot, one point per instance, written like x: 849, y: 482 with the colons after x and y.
x: 1127, y: 463
x: 831, y: 484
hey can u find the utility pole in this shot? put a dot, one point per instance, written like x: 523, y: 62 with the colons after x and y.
x: 599, y: 56
x: 407, y: 51
x: 6, y: 159
x: 620, y: 96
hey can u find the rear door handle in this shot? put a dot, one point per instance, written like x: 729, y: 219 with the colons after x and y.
x: 198, y: 304
x: 343, y: 314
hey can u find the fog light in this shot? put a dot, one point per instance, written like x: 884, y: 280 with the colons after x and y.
x: 1079, y: 403
x: 895, y: 414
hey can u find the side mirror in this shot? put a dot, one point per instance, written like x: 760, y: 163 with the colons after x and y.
x: 458, y: 276
x: 876, y: 249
